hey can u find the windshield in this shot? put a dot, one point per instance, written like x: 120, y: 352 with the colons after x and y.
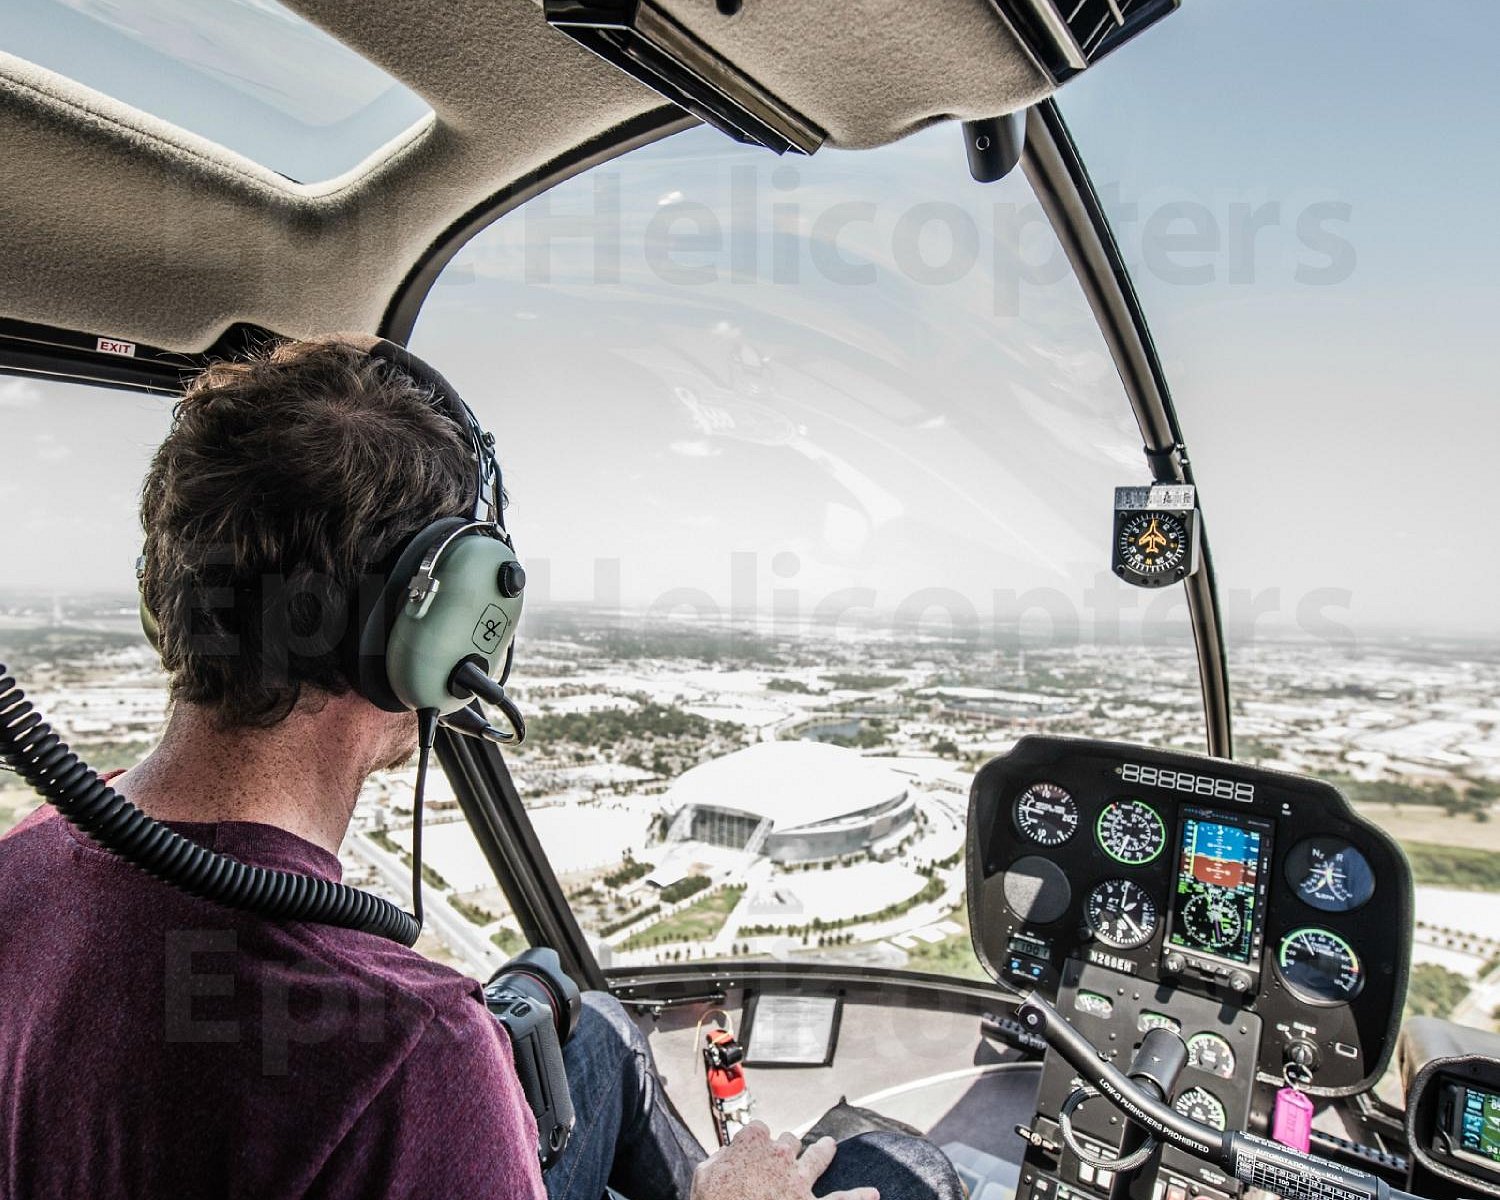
x: 1302, y: 194
x: 812, y: 469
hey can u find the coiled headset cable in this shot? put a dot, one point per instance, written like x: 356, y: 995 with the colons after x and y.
x: 40, y: 757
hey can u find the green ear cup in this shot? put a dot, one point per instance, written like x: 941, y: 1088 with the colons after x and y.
x: 149, y: 626
x: 468, y: 616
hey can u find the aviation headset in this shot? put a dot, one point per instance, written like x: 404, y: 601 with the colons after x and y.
x: 439, y: 620
x: 428, y: 640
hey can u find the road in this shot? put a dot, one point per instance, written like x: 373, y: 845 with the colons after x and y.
x: 460, y: 934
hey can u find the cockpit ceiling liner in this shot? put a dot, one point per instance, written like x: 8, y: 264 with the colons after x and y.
x: 123, y: 226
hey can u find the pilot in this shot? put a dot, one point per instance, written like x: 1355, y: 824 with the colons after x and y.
x: 155, y: 1045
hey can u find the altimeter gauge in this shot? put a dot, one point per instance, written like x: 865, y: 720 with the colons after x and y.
x: 1156, y: 534
x: 1121, y: 914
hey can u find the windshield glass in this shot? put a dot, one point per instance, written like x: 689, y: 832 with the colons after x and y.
x: 1302, y: 192
x: 811, y: 467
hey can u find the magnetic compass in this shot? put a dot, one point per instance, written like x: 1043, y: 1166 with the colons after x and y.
x: 1153, y: 543
x: 1156, y: 534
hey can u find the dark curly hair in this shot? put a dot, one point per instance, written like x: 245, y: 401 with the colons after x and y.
x: 287, y: 481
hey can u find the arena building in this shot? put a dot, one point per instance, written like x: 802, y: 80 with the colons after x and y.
x: 793, y: 801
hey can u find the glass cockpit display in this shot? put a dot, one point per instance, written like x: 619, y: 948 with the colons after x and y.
x: 1220, y: 884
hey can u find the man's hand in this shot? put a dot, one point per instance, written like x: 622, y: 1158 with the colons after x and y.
x: 756, y: 1166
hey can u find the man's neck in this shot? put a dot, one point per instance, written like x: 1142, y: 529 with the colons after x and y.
x: 302, y: 775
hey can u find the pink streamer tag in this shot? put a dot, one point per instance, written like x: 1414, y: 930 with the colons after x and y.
x: 1291, y: 1119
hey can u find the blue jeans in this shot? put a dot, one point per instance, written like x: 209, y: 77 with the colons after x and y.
x: 630, y: 1138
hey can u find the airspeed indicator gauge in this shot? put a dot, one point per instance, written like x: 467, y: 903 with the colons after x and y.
x: 1130, y: 832
x: 1046, y: 814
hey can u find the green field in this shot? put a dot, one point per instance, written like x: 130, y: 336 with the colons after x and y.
x: 695, y: 923
x: 1454, y: 866
x: 1434, y: 991
x: 953, y: 956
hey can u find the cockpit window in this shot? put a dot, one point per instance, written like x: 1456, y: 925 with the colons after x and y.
x: 69, y: 628
x: 251, y: 75
x: 1305, y: 220
x: 811, y: 466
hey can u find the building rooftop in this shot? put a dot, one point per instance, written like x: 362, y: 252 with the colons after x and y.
x: 794, y: 783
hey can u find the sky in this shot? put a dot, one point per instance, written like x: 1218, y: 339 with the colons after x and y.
x: 726, y: 382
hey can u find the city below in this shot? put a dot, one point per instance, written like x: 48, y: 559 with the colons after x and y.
x: 716, y: 793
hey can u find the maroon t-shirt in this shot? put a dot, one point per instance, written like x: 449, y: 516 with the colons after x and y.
x: 153, y: 1045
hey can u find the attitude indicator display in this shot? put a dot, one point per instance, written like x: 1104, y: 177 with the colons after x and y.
x: 1219, y: 898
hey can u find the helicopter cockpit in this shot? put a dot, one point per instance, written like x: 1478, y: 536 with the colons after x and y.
x: 902, y: 722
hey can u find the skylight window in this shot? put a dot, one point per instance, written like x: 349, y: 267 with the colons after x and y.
x: 251, y: 75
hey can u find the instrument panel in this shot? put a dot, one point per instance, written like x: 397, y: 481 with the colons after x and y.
x: 1258, y: 889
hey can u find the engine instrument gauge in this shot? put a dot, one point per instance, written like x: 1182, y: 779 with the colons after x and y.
x: 1203, y: 1106
x: 1155, y: 1020
x: 1212, y: 920
x: 1130, y: 832
x: 1209, y: 1052
x: 1046, y: 814
x: 1320, y: 966
x: 1121, y: 914
x: 1329, y: 874
x: 1095, y: 1004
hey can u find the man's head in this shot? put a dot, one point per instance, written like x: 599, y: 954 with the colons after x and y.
x: 286, y: 483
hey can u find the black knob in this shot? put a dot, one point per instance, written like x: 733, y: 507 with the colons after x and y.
x: 1173, y: 963
x: 1303, y: 1053
x: 512, y: 578
x: 1239, y: 981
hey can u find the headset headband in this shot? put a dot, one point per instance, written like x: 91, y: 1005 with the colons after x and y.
x: 489, y: 491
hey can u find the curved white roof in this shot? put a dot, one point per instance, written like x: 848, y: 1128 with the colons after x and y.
x: 793, y: 783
